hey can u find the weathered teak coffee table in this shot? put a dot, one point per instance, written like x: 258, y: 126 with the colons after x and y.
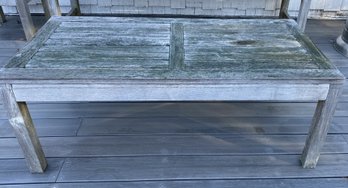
x: 153, y: 59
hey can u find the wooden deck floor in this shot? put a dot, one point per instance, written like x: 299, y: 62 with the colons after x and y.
x: 172, y: 145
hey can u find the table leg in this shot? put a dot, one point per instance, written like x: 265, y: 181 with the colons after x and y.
x: 75, y: 8
x: 51, y: 7
x: 284, y: 9
x: 19, y: 117
x: 2, y: 16
x: 341, y: 43
x: 46, y: 9
x: 27, y: 22
x: 303, y: 14
x: 319, y: 128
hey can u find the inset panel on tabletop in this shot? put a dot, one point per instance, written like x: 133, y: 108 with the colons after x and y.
x: 116, y: 45
x: 111, y: 49
x: 248, y: 45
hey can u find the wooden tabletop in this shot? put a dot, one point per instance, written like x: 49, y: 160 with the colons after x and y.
x: 109, y: 48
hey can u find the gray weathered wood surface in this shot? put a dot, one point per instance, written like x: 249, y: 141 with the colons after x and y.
x: 221, y: 50
x: 284, y: 9
x: 220, y: 144
x: 213, y: 167
x: 16, y: 174
x: 20, y: 120
x: 27, y: 21
x: 320, y: 127
x: 52, y: 7
x: 303, y: 14
x: 46, y: 9
x: 75, y: 8
x: 175, y: 92
x: 176, y: 63
x: 283, y: 183
x: 57, y: 124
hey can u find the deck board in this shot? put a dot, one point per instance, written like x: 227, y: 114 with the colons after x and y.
x: 14, y: 171
x: 46, y: 127
x: 204, y: 125
x: 268, y: 183
x: 273, y: 183
x: 198, y: 167
x: 235, y: 109
x: 211, y: 140
x: 232, y: 109
x: 173, y: 145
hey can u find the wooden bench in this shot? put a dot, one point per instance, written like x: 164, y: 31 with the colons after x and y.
x: 154, y: 59
x: 283, y: 13
x: 52, y: 8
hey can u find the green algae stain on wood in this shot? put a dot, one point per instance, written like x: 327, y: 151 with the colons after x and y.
x: 172, y: 49
x: 263, y: 45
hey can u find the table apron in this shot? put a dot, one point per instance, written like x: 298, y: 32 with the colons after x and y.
x: 170, y: 92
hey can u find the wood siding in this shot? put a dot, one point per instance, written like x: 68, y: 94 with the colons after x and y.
x: 319, y: 8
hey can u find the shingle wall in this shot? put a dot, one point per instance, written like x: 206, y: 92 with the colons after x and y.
x: 319, y: 8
